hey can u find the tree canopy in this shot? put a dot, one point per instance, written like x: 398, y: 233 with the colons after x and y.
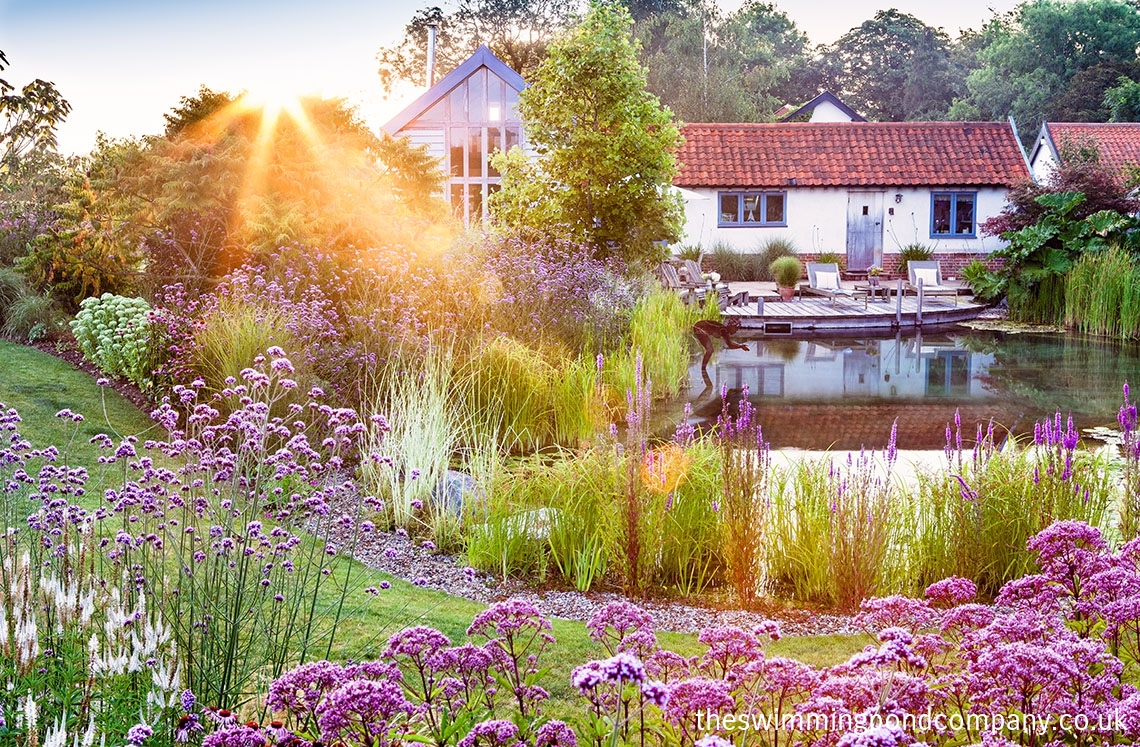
x: 1050, y: 59
x: 711, y: 68
x: 604, y: 146
x: 28, y: 121
x: 517, y: 31
x: 893, y: 67
x: 229, y: 180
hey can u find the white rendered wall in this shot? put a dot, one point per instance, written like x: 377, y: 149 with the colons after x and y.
x: 817, y: 221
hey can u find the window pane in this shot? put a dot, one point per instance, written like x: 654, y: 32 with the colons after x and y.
x: 437, y: 113
x: 494, y: 143
x: 751, y: 208
x: 512, y: 138
x: 774, y: 209
x: 475, y: 152
x: 458, y: 100
x: 730, y: 208
x: 964, y: 217
x: 477, y: 95
x: 941, y: 214
x: 457, y: 200
x: 476, y: 202
x: 457, y: 136
x: 495, y: 98
x: 512, y: 103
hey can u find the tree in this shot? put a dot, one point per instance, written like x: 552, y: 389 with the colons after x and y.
x: 517, y: 31
x: 892, y: 68
x: 28, y: 119
x: 229, y: 181
x: 1123, y: 100
x: 709, y: 68
x: 1029, y: 64
x: 604, y: 147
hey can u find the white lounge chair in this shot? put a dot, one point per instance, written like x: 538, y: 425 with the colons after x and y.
x: 823, y: 280
x: 930, y: 272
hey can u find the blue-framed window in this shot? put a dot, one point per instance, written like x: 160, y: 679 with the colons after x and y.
x: 953, y: 214
x: 752, y: 209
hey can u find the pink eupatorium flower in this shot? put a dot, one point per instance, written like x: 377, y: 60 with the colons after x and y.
x: 555, y: 734
x: 952, y: 591
x: 364, y: 710
x: 495, y: 733
x: 622, y: 626
x: 300, y: 690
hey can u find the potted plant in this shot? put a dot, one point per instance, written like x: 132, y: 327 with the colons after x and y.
x: 786, y: 271
x: 873, y: 273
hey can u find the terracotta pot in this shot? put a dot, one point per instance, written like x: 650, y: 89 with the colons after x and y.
x: 786, y: 294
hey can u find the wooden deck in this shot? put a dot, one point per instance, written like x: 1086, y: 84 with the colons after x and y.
x: 817, y: 314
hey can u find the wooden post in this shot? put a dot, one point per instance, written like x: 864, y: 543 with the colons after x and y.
x: 918, y: 314
x: 899, y: 298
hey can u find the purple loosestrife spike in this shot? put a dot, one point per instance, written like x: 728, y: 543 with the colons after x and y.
x: 892, y: 444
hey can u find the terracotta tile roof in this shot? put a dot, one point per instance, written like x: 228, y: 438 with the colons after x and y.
x: 886, y: 154
x: 1119, y: 143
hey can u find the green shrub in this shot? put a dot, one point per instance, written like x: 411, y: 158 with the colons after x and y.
x: 975, y: 516
x: 914, y: 253
x: 839, y: 260
x: 691, y: 555
x: 234, y: 334
x: 733, y: 265
x: 799, y: 520
x: 113, y: 332
x: 786, y: 271
x: 581, y: 491
x: 745, y: 472
x: 690, y: 251
x: 985, y: 285
x: 771, y: 250
x: 31, y: 317
x: 577, y: 401
x: 12, y: 288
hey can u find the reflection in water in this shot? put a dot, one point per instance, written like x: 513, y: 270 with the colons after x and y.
x: 846, y: 393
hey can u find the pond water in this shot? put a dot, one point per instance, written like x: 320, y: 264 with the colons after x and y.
x: 844, y: 393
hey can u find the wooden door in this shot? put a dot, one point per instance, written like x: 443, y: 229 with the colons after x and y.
x: 864, y: 229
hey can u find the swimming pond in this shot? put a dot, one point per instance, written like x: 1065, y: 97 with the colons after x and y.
x: 845, y: 393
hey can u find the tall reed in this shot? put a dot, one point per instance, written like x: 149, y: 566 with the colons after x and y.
x: 659, y: 338
x: 1102, y: 294
x: 799, y: 517
x: 745, y: 470
x: 863, y: 526
x: 508, y: 390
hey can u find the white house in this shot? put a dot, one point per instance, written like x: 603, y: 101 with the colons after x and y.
x: 863, y: 189
x: 466, y: 117
x: 1118, y: 144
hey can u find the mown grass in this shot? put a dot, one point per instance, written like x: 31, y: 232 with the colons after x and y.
x: 39, y: 385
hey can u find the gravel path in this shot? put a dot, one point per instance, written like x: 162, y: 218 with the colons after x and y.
x: 400, y: 557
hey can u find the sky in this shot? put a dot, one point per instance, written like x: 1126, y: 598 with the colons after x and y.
x: 122, y: 64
